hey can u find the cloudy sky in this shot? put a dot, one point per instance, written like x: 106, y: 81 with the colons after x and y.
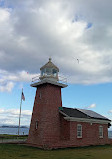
x: 65, y: 30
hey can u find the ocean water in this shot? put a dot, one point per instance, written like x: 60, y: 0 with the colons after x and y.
x: 14, y: 131
x: 25, y: 131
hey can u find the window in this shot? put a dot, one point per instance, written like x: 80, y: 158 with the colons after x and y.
x: 48, y: 71
x: 36, y: 125
x: 40, y: 95
x: 54, y: 71
x: 43, y: 72
x: 79, y: 131
x: 101, y: 131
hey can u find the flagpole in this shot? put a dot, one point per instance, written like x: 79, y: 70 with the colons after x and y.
x: 20, y: 113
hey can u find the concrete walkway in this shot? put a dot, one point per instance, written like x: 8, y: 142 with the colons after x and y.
x: 12, y: 140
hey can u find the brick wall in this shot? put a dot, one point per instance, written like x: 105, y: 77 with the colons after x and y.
x: 64, y: 129
x: 90, y: 135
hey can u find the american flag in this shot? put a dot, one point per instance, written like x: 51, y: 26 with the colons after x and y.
x: 22, y: 96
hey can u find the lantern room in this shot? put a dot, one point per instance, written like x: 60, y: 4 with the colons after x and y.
x: 49, y: 71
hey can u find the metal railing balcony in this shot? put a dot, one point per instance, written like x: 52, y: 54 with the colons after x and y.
x: 61, y: 79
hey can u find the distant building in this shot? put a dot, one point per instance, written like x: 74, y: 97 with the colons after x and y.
x: 54, y: 126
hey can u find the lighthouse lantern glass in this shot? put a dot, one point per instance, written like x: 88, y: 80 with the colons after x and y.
x: 49, y: 71
x: 43, y: 72
x: 54, y: 71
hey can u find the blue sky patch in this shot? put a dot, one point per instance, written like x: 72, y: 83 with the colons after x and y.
x: 77, y: 18
x: 2, y: 3
x: 89, y: 25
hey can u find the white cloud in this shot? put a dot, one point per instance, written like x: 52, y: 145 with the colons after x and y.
x: 11, y: 116
x: 110, y: 111
x: 57, y: 29
x: 4, y: 15
x: 7, y: 87
x: 91, y: 106
x: 8, y: 80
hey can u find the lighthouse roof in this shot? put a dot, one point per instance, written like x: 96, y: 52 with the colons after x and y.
x: 81, y: 113
x: 49, y: 64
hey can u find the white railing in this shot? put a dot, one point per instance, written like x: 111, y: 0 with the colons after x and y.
x: 36, y: 79
x: 61, y: 79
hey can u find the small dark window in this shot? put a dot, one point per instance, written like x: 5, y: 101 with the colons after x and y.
x: 36, y: 125
x: 40, y: 96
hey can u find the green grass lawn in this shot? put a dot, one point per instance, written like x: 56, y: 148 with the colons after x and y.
x: 7, y: 136
x: 13, y: 151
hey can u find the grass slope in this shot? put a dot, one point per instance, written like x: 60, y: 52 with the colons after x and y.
x: 13, y: 151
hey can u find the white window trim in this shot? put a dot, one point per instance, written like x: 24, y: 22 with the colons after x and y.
x: 79, y: 131
x: 101, y: 128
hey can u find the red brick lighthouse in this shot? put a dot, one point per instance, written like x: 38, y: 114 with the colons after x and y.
x: 54, y: 126
x: 45, y: 122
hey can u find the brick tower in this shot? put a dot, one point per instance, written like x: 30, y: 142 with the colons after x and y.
x: 45, y: 122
